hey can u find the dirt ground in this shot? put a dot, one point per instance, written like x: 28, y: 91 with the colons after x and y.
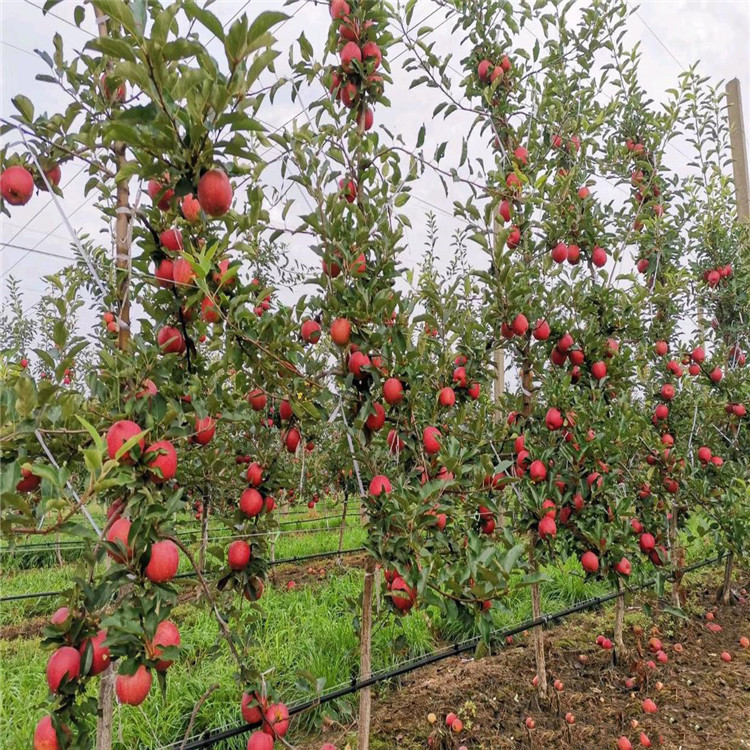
x: 703, y: 703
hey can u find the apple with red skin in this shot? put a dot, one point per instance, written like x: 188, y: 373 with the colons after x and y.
x: 393, y: 391
x: 65, y: 662
x: 118, y: 533
x: 310, y: 332
x: 405, y: 597
x: 623, y: 567
x: 371, y: 51
x: 474, y: 391
x: 341, y: 330
x: 541, y: 330
x: 28, y: 482
x: 251, y: 502
x: 205, y: 427
x: 164, y: 561
x: 132, y: 689
x: 395, y: 443
x: 16, y: 185
x: 514, y: 238
x: 553, y: 419
x: 166, y: 635
x: 191, y: 208
x: 238, y: 554
x: 292, y: 440
x: 624, y: 744
x: 164, y: 273
x: 285, y: 411
x: 171, y: 239
x: 574, y: 254
x: 45, y: 736
x: 253, y: 707
x: 100, y: 659
x: 505, y: 211
x: 520, y: 325
x: 599, y: 370
x: 215, y: 192
x: 257, y: 399
x: 380, y: 484
x: 704, y: 454
x: 255, y: 474
x: 560, y: 253
x: 170, y: 340
x: 649, y: 706
x: 156, y: 189
x: 590, y: 562
x: 484, y: 70
x: 431, y: 439
x: 716, y: 375
x: 547, y: 528
x: 447, y: 397
x: 209, y: 310
x: 537, y: 471
x: 119, y: 434
x: 260, y: 741
x: 60, y: 615
x: 599, y: 257
x: 376, y: 421
x: 357, y: 361
x: 276, y: 720
x: 163, y: 458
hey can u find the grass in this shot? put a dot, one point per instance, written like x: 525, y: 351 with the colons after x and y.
x: 308, y: 636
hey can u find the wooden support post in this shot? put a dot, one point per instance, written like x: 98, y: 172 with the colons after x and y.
x: 122, y: 263
x: 739, y: 149
x: 365, y: 657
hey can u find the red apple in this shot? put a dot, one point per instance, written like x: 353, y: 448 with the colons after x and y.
x: 403, y: 596
x: 257, y: 399
x: 255, y: 474
x: 16, y: 185
x: 166, y: 635
x: 132, y: 689
x: 164, y: 194
x: 118, y: 533
x: 393, y: 391
x: 205, y: 427
x: 253, y: 707
x: 590, y: 562
x: 100, y: 659
x: 537, y: 471
x: 238, y: 554
x: 251, y: 502
x: 276, y: 720
x: 45, y: 736
x: 341, y: 330
x: 260, y: 741
x: 560, y: 253
x: 380, y: 484
x: 376, y: 421
x: 431, y: 439
x: 447, y: 397
x: 215, y: 192
x: 119, y: 434
x: 164, y: 561
x: 171, y: 239
x: 161, y: 459
x: 65, y: 662
x: 310, y: 332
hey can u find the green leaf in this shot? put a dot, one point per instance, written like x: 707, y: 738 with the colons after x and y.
x: 675, y: 611
x: 118, y: 11
x: 140, y: 13
x: 420, y: 137
x: 24, y: 106
x: 208, y: 19
x: 79, y: 15
x: 180, y: 49
x: 263, y: 23
x: 95, y: 436
x: 115, y: 48
x: 25, y: 396
x: 48, y: 5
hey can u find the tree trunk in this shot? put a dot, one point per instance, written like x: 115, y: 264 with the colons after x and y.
x: 620, y: 619
x: 536, y: 612
x: 342, y: 528
x: 105, y: 710
x: 365, y: 662
x: 727, y: 585
x: 676, y: 557
x: 204, y: 536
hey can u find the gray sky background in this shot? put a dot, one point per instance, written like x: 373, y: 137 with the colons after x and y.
x: 672, y: 33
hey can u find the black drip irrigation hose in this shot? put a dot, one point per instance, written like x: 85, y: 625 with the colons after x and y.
x: 192, y: 574
x: 445, y: 653
x: 74, y: 545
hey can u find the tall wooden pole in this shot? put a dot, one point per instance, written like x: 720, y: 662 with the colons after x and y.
x: 105, y: 709
x: 739, y: 149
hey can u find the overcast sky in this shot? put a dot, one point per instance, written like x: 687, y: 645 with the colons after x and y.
x: 673, y: 34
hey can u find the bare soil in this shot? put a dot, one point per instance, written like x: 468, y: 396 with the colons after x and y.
x: 703, y: 703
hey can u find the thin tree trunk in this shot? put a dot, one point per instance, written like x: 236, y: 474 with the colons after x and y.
x: 727, y: 585
x: 57, y: 550
x: 536, y: 611
x: 676, y: 557
x: 365, y: 662
x: 204, y: 536
x: 620, y: 619
x: 105, y: 711
x: 343, y: 526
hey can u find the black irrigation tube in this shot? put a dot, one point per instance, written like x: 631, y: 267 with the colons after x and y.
x: 74, y: 545
x: 191, y: 574
x: 435, y: 656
